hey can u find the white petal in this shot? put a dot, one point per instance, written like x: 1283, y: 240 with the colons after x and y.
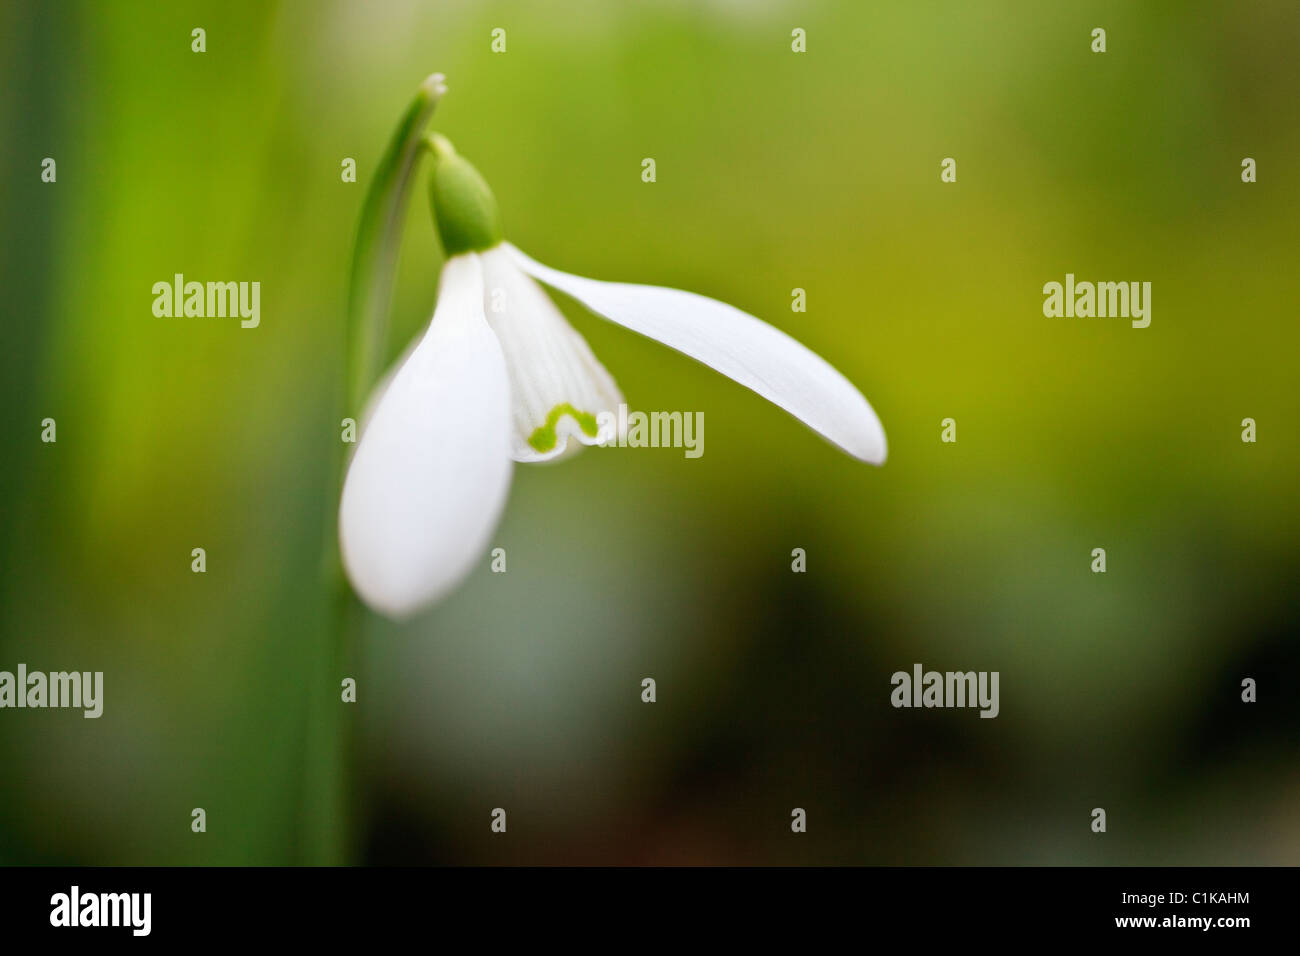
x: 429, y: 479
x: 739, y: 346
x: 558, y: 389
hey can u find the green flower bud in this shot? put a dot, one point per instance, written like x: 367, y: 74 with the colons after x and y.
x: 463, y: 206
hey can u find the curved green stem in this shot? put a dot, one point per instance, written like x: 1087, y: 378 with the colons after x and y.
x: 379, y: 234
x: 328, y: 796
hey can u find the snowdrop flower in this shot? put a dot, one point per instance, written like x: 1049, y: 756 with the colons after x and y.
x: 500, y: 376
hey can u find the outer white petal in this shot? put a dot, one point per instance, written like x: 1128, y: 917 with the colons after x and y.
x: 429, y: 479
x: 739, y: 346
x: 558, y: 390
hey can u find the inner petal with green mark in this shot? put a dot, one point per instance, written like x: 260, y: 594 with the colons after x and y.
x: 561, y: 396
x: 544, y: 438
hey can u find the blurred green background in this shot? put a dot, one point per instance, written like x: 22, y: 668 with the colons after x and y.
x: 775, y: 171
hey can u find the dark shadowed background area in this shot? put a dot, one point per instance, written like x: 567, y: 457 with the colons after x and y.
x: 775, y: 171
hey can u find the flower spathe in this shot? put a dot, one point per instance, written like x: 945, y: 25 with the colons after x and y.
x: 501, y: 376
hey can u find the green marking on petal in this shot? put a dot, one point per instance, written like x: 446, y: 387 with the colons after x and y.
x: 543, y: 438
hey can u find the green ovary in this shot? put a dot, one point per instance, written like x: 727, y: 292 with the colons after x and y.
x: 543, y: 438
